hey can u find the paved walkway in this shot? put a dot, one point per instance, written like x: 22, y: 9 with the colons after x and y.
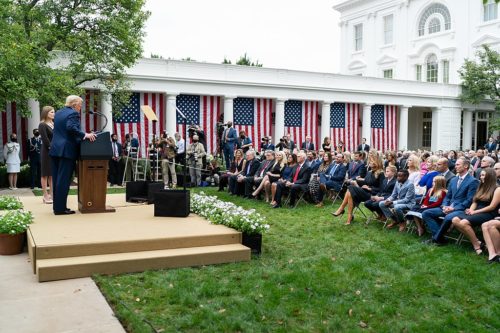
x: 61, y: 306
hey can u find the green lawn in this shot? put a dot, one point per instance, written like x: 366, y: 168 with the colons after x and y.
x: 317, y: 275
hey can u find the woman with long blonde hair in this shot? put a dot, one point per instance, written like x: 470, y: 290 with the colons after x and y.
x: 46, y: 128
x: 272, y: 175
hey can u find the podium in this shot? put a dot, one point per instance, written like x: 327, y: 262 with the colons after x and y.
x: 93, y: 174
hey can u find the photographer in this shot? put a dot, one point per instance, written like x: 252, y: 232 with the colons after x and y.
x: 283, y: 144
x: 195, y: 153
x: 266, y: 144
x: 168, y: 152
x: 244, y: 143
x: 181, y: 149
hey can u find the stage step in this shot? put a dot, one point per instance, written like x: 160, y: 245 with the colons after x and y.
x: 111, y: 246
x: 76, y: 267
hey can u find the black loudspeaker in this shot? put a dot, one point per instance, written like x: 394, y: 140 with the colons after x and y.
x: 142, y: 191
x: 172, y: 203
x: 100, y: 149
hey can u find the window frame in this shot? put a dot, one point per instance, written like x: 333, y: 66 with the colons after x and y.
x: 358, y: 39
x: 446, y: 71
x: 388, y: 32
x: 418, y: 72
x: 490, y: 9
x: 432, y: 74
x: 389, y: 72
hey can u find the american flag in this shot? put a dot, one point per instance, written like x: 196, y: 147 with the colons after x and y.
x: 301, y: 119
x: 90, y: 122
x: 384, y: 127
x: 253, y: 115
x: 132, y: 119
x: 11, y: 122
x: 203, y: 111
x: 344, y: 125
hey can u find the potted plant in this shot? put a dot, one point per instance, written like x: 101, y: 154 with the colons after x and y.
x: 250, y: 223
x: 13, y: 224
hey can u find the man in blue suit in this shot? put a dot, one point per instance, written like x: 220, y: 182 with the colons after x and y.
x: 334, y: 179
x: 459, y: 197
x: 64, y: 150
x: 229, y: 138
x: 357, y: 167
x: 401, y: 199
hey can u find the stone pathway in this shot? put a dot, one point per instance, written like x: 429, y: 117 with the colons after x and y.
x: 28, y: 306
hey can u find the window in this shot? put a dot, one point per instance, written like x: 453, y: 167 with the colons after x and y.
x: 427, y: 133
x: 490, y: 11
x: 432, y: 68
x: 388, y: 74
x: 358, y: 37
x: 435, y: 10
x: 388, y: 29
x: 418, y: 71
x: 434, y: 25
x: 446, y: 71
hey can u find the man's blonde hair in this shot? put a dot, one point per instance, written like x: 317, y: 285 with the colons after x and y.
x: 73, y: 100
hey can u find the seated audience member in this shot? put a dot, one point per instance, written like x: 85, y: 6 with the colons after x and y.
x: 334, y: 178
x: 391, y: 159
x: 460, y: 193
x: 357, y: 167
x: 236, y: 182
x: 285, y: 176
x: 307, y: 145
x: 272, y: 175
x: 484, y: 207
x: 214, y: 175
x: 425, y: 182
x: 423, y: 163
x: 452, y: 159
x: 361, y: 190
x: 299, y: 182
x: 403, y: 161
x: 486, y: 162
x: 491, y: 234
x: 384, y: 192
x: 256, y: 180
x: 434, y: 198
x: 315, y: 163
x: 402, y: 198
x: 235, y: 168
x: 314, y: 184
x: 413, y: 167
x: 443, y: 170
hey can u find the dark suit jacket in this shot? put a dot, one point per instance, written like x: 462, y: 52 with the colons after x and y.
x: 263, y: 168
x: 359, y: 169
x: 491, y: 146
x: 304, y: 146
x: 119, y: 147
x: 387, y: 188
x: 253, y: 168
x: 67, y: 134
x: 339, y: 174
x: 232, y: 137
x: 367, y: 148
x: 461, y: 198
x: 449, y: 176
x: 304, y: 174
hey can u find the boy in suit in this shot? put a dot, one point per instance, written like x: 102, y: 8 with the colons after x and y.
x: 402, y: 198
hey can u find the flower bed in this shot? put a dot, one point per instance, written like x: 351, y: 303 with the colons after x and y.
x: 9, y: 203
x: 227, y: 213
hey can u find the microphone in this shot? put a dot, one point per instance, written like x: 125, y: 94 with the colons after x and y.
x: 101, y: 115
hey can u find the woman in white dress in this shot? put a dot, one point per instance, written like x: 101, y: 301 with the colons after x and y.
x: 11, y: 155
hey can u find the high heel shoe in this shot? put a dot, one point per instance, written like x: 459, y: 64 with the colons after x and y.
x: 480, y: 249
x: 349, y: 220
x: 47, y: 201
x: 255, y: 194
x: 495, y: 259
x: 339, y: 213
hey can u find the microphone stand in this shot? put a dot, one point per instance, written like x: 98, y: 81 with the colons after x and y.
x: 184, y: 166
x: 100, y: 114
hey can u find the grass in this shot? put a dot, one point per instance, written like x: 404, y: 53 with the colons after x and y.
x: 111, y: 190
x: 317, y: 275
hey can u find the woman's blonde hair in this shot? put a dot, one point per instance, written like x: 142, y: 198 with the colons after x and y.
x: 45, y: 113
x: 433, y: 159
x: 283, y: 159
x: 416, y: 161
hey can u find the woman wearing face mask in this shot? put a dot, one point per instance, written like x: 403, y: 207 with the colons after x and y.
x: 11, y: 155
x: 46, y: 128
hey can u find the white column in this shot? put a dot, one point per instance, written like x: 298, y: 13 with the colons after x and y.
x: 325, y: 121
x: 34, y: 120
x: 467, y: 129
x: 170, y: 118
x: 403, y: 128
x: 228, y: 108
x: 107, y: 110
x: 446, y: 128
x: 279, y: 124
x: 367, y: 123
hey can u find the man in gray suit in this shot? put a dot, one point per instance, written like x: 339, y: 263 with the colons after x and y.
x: 442, y: 168
x: 402, y: 198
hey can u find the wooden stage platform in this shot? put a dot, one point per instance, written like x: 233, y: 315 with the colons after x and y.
x: 129, y: 240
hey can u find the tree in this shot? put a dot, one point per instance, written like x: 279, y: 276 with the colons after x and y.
x: 50, y: 47
x: 156, y: 56
x: 486, y: 1
x: 481, y: 79
x: 244, y: 60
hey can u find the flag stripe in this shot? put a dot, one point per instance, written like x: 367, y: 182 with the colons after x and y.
x: 384, y: 127
x: 256, y: 125
x: 11, y: 122
x: 344, y: 124
x: 302, y: 120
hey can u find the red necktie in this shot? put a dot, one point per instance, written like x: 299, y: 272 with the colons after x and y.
x: 296, y: 174
x: 264, y: 168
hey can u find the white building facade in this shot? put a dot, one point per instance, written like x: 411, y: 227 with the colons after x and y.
x: 394, y: 36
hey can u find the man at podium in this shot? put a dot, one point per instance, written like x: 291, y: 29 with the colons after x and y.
x: 64, y: 150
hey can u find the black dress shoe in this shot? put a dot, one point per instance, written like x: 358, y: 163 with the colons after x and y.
x: 277, y: 206
x: 495, y: 259
x: 66, y: 212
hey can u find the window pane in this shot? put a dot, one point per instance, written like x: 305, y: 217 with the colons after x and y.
x: 432, y: 68
x: 490, y: 11
x: 427, y: 134
x: 388, y: 74
x: 446, y: 71
x: 434, y: 26
x: 418, y: 70
x: 358, y: 37
x: 388, y: 29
